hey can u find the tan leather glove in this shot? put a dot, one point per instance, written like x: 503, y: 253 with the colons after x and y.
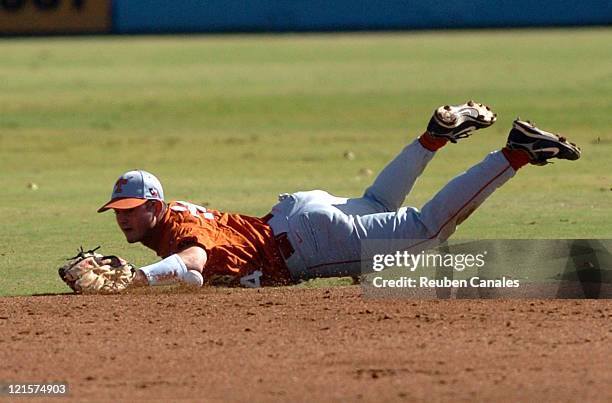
x: 92, y: 273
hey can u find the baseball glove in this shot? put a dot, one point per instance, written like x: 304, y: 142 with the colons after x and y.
x: 92, y: 273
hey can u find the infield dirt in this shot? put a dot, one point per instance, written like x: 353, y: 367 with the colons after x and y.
x: 324, y: 344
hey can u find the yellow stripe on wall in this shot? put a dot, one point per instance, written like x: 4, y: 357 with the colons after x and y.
x: 54, y: 16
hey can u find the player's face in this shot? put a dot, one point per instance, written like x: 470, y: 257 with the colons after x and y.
x: 136, y: 222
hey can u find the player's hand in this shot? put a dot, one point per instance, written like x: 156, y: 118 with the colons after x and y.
x: 140, y: 280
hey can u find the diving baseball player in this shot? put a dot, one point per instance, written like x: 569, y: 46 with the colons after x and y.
x: 313, y: 233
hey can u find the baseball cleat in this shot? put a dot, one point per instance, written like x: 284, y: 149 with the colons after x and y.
x: 539, y: 144
x: 456, y: 122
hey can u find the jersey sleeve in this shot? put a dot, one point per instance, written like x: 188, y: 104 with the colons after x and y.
x: 188, y: 235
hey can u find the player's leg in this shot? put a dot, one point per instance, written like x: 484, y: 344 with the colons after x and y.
x: 440, y: 216
x: 337, y: 241
x: 333, y: 243
x: 406, y: 229
x: 448, y: 123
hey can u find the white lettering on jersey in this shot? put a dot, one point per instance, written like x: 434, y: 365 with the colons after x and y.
x: 193, y: 209
x: 252, y: 280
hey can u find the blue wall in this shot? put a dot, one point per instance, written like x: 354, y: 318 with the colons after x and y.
x: 151, y: 16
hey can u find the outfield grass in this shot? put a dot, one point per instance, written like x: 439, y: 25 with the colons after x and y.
x: 231, y: 121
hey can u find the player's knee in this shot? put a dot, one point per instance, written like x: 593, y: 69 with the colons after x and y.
x: 434, y: 230
x: 382, y: 205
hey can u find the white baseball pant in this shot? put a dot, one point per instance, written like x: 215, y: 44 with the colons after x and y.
x: 328, y: 232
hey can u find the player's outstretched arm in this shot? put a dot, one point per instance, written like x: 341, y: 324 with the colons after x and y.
x: 185, y: 266
x: 194, y: 257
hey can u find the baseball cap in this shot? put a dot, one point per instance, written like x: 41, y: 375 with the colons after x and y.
x: 133, y: 189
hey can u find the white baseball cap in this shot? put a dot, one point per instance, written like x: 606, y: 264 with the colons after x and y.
x: 133, y: 189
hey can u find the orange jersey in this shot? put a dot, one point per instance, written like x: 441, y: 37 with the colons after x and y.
x: 236, y: 244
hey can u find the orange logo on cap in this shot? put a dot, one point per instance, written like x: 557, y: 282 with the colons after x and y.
x: 119, y: 184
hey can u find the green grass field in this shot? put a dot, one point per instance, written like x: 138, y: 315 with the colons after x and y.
x: 231, y: 121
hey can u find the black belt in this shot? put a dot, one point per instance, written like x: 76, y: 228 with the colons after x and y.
x: 282, y: 240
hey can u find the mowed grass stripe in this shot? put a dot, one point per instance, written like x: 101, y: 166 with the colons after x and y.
x: 231, y: 121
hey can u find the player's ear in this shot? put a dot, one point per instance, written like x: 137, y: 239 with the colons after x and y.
x: 158, y: 206
x: 150, y: 206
